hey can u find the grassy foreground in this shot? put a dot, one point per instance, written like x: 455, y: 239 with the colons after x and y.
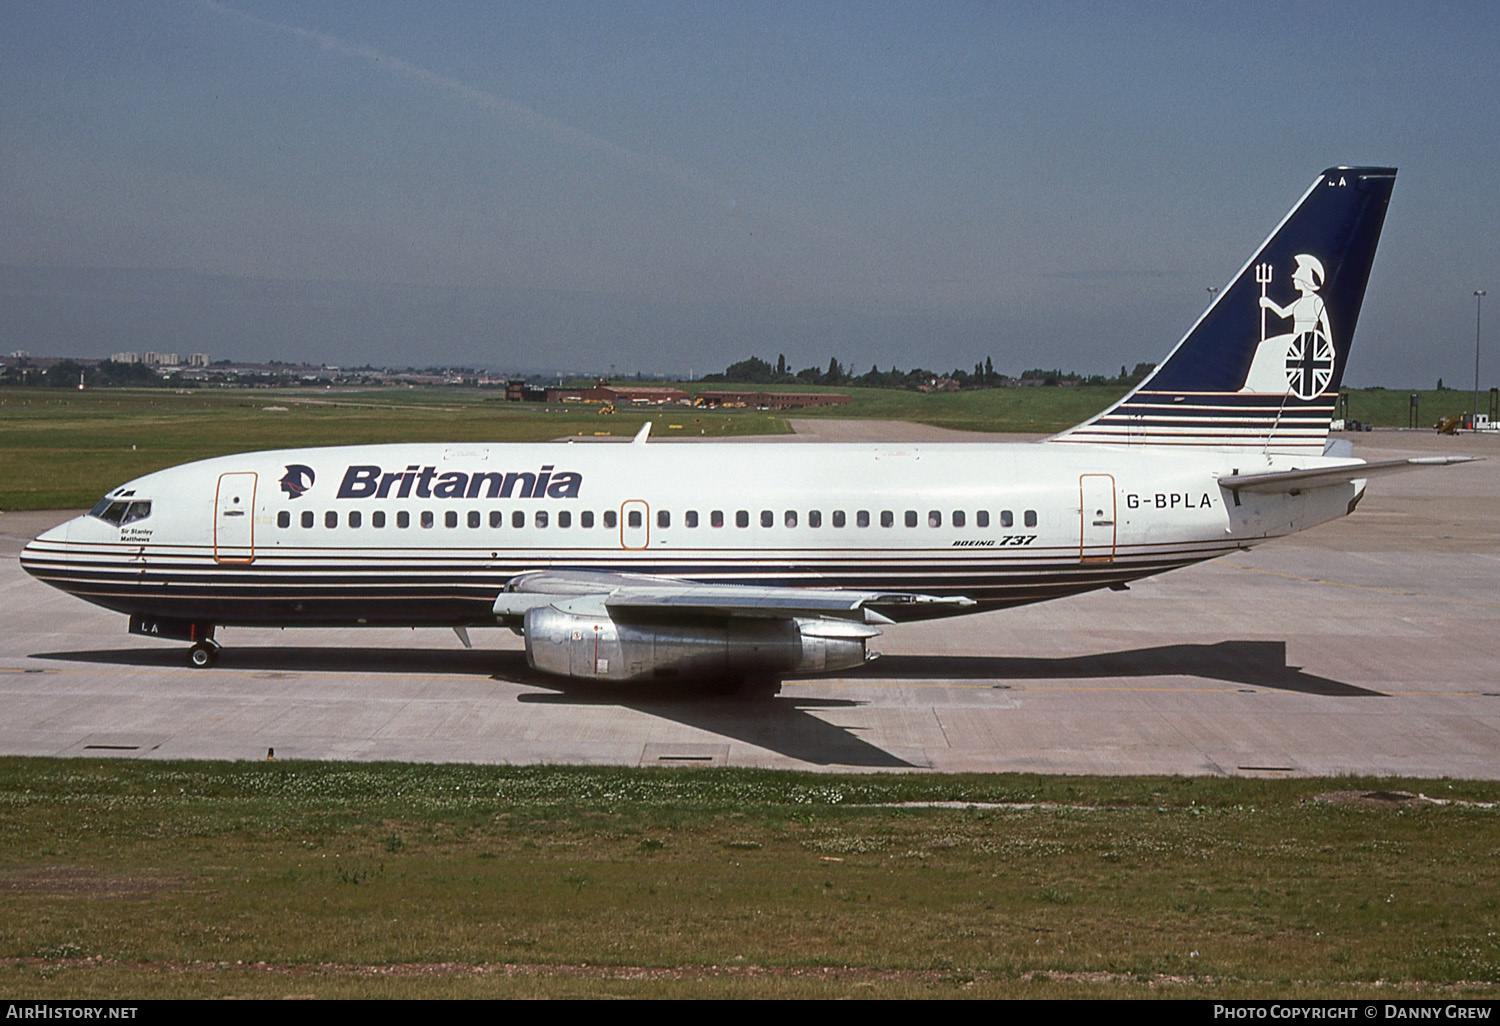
x: 161, y: 879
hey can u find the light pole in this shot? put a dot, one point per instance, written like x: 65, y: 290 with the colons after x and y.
x: 1479, y: 295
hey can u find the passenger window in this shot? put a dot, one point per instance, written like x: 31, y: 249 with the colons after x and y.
x: 1007, y: 519
x: 716, y: 518
x: 911, y: 518
x: 450, y: 518
x: 814, y: 518
x: 283, y: 519
x: 742, y: 518
x: 634, y: 518
x: 403, y: 519
x: 663, y: 518
x: 427, y: 519
x: 307, y: 518
x: 377, y: 519
x: 935, y: 518
x: 1031, y: 518
x: 790, y: 518
x: 690, y: 518
x: 611, y: 521
x: 518, y: 520
x: 354, y: 518
x: 887, y: 518
x: 958, y: 518
x: 330, y: 519
x: 767, y: 518
x: 838, y: 518
x: 564, y: 519
x: 586, y: 518
x: 541, y: 518
x: 862, y: 518
x: 497, y: 519
x: 982, y: 518
x: 473, y: 518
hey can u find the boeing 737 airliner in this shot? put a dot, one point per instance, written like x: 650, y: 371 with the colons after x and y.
x: 747, y: 562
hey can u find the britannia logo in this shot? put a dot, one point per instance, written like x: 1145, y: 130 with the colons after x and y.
x: 297, y: 480
x: 1301, y: 361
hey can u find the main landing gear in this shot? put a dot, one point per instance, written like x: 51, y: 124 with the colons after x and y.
x: 204, y: 654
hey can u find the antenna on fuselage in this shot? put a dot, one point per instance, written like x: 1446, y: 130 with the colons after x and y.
x: 640, y: 436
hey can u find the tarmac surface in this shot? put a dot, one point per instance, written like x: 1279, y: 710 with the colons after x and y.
x: 1367, y: 646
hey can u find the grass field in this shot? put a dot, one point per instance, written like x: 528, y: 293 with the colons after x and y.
x: 273, y: 879
x: 63, y: 449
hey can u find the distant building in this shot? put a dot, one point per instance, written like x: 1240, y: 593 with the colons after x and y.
x: 517, y: 391
x: 603, y: 392
x: 772, y: 400
x: 125, y: 358
x: 153, y: 359
x: 199, y: 360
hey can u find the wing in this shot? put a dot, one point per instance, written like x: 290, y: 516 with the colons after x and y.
x: 665, y: 597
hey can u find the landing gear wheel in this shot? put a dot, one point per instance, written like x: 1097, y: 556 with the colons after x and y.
x: 204, y: 654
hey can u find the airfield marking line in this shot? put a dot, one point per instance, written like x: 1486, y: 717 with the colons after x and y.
x: 191, y: 674
x: 1361, y: 587
x: 1007, y: 687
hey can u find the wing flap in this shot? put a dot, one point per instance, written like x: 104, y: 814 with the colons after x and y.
x: 641, y: 594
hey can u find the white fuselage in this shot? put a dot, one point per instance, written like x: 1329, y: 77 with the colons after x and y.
x: 429, y: 534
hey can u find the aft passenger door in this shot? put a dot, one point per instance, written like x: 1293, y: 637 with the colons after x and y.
x: 234, y: 518
x: 1096, y: 528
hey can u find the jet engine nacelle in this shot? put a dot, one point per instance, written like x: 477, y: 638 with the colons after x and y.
x: 597, y: 647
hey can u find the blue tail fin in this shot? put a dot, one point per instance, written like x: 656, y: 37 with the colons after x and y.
x: 1263, y: 365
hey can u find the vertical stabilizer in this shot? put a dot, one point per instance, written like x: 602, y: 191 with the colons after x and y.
x: 1263, y: 365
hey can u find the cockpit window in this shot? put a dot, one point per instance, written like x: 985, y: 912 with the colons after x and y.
x: 109, y: 512
x: 113, y: 511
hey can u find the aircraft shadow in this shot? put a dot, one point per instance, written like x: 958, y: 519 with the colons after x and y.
x: 783, y: 723
x: 780, y: 724
x: 1254, y: 663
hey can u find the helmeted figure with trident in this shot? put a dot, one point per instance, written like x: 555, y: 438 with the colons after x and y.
x: 1300, y: 362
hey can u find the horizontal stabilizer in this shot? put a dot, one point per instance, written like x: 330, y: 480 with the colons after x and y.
x: 1300, y: 480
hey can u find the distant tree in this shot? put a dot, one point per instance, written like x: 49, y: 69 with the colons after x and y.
x: 754, y: 371
x: 63, y: 374
x: 134, y: 375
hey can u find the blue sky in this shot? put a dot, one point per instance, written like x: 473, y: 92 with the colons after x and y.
x: 665, y: 187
